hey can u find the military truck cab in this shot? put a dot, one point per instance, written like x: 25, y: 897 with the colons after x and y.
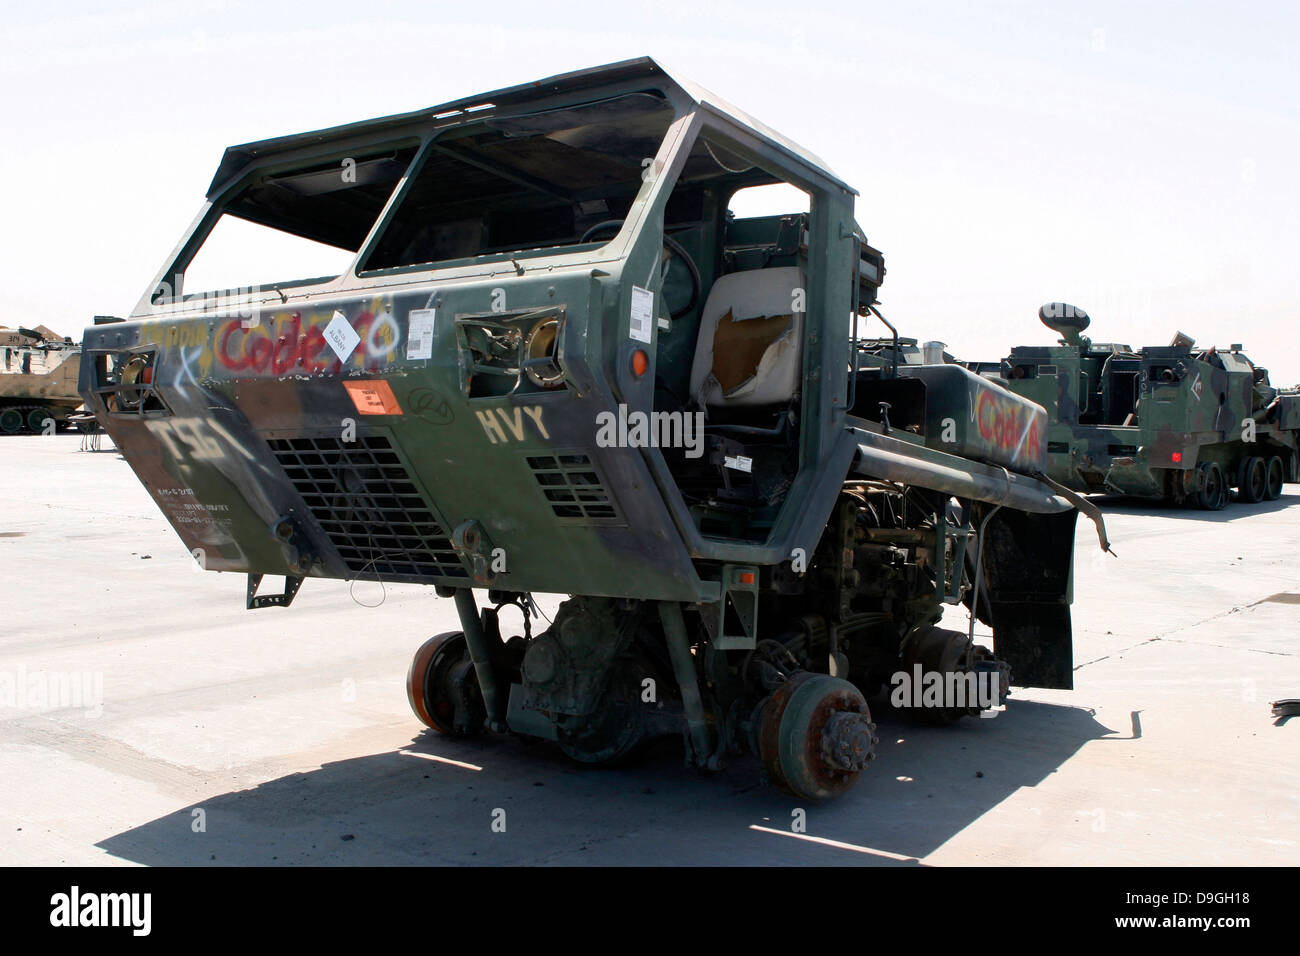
x: 527, y: 342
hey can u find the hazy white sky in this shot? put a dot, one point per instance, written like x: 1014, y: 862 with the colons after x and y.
x: 1137, y: 161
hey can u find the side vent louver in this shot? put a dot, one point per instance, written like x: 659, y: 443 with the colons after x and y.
x: 574, y: 489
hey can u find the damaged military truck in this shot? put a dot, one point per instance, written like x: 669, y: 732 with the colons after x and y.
x: 553, y: 354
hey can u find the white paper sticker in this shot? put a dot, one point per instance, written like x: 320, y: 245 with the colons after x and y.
x: 419, y: 337
x: 341, y: 336
x: 738, y: 463
x: 643, y: 310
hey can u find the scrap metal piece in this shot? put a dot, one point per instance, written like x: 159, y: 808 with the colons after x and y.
x: 1290, y: 707
x: 254, y: 600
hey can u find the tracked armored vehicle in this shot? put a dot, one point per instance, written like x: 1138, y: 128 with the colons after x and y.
x: 554, y: 361
x: 1176, y: 422
x: 39, y: 372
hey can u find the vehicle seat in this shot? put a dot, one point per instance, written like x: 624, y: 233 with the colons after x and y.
x: 750, y: 347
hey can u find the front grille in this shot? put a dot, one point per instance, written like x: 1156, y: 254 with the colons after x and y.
x: 573, y: 488
x: 363, y: 499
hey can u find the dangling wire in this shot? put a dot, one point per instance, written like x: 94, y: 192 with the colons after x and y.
x: 383, y: 591
x: 979, y: 576
x: 720, y: 162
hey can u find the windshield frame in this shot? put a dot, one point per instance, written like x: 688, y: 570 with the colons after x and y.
x: 353, y: 278
x: 499, y: 261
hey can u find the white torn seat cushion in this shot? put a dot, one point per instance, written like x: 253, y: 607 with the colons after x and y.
x: 750, y: 347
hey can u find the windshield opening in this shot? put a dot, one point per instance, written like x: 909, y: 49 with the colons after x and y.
x: 290, y: 227
x: 514, y: 184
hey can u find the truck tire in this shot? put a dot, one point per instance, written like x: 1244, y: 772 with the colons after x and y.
x: 1211, y: 492
x: 1252, y: 480
x: 1275, y: 475
x: 436, y: 692
x: 36, y: 419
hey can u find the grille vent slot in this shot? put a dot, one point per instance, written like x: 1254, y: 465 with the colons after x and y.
x: 362, y: 497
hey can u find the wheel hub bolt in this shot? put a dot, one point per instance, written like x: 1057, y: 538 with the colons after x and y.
x: 847, y: 740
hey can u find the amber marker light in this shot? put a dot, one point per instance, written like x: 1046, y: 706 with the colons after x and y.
x: 640, y: 362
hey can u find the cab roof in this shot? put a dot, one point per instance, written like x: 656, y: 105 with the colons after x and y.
x: 535, y: 95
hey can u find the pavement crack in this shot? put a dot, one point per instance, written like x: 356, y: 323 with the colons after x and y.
x: 1095, y: 660
x: 1165, y: 635
x: 1235, y: 647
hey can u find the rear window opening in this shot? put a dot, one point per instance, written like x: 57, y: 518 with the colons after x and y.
x: 775, y: 199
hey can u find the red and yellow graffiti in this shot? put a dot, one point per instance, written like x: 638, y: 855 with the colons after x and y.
x: 291, y: 343
x: 1009, y: 426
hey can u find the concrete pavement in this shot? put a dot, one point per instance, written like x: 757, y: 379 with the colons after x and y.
x: 205, y: 733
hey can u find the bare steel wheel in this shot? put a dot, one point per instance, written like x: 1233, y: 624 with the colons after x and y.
x: 442, y: 688
x: 816, y: 736
x: 1273, y: 483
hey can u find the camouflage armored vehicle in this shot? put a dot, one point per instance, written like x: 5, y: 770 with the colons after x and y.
x: 39, y: 371
x: 895, y: 351
x: 554, y: 362
x: 1177, y: 422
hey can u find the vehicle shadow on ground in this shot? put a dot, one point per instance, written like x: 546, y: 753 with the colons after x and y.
x: 1113, y: 504
x: 436, y: 802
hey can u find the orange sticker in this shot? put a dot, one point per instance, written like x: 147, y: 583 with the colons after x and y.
x: 372, y: 397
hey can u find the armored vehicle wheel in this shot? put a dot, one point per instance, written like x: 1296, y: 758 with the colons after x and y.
x: 36, y: 419
x: 442, y: 688
x: 11, y: 421
x: 1252, y: 480
x: 816, y: 736
x: 1273, y: 482
x: 1211, y: 492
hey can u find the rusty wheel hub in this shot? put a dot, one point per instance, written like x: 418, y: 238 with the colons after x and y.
x: 847, y: 741
x: 816, y: 736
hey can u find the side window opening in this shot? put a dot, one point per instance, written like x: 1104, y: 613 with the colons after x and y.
x: 770, y: 233
x: 737, y: 355
x: 292, y: 227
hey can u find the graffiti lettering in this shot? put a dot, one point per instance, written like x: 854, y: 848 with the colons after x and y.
x: 297, y: 343
x: 1009, y: 426
x: 186, y: 366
